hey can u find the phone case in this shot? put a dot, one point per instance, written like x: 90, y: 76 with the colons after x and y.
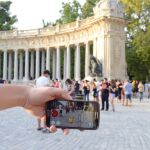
x: 73, y: 114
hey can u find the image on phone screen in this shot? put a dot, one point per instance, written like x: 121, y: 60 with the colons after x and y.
x: 72, y: 114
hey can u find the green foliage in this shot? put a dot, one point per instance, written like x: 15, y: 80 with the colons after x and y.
x: 138, y: 33
x: 137, y: 68
x: 6, y: 20
x: 70, y: 12
x: 87, y: 9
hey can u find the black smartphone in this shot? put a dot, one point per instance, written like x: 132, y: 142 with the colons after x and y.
x: 73, y: 114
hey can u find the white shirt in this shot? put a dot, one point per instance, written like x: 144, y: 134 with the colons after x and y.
x: 42, y: 81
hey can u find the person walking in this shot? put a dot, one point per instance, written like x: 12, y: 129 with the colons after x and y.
x: 43, y: 81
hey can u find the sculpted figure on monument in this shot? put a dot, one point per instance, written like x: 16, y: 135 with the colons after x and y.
x: 95, y: 67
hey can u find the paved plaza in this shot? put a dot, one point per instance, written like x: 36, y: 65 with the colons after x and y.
x: 126, y: 129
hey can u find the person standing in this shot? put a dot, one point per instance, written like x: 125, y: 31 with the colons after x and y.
x: 104, y: 95
x: 128, y: 92
x: 77, y: 87
x: 86, y: 89
x: 95, y: 92
x: 43, y: 81
x: 112, y: 93
x: 141, y: 90
x: 119, y: 90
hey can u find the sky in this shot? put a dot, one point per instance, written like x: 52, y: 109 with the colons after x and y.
x: 31, y: 12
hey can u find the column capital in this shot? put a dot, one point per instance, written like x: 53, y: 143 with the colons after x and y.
x: 4, y: 50
x: 47, y: 48
x: 15, y: 50
x: 57, y: 47
x: 86, y: 42
x: 67, y: 45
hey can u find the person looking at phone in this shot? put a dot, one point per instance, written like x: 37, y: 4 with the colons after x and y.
x: 32, y: 99
x: 42, y: 81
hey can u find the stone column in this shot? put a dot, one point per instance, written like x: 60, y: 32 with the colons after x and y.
x: 16, y: 65
x: 43, y: 62
x: 48, y: 59
x: 68, y: 62
x: 77, y: 60
x: 65, y: 63
x: 10, y: 66
x: 58, y: 64
x: 37, y: 63
x: 109, y: 55
x: 21, y: 66
x: 32, y: 65
x: 54, y: 64
x: 87, y: 59
x: 26, y: 64
x: 5, y: 65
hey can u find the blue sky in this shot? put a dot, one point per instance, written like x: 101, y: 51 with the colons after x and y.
x: 31, y: 12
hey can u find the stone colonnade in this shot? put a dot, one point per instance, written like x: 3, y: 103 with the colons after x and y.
x: 26, y: 53
x: 30, y: 63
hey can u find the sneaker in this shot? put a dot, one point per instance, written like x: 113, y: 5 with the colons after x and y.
x: 39, y: 128
x: 45, y: 130
x: 113, y: 110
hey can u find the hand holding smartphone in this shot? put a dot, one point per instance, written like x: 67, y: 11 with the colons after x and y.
x: 73, y: 114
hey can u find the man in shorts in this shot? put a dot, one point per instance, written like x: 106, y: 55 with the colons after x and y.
x: 43, y: 81
x: 128, y: 92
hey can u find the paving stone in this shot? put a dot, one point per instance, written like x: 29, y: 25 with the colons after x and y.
x: 126, y: 129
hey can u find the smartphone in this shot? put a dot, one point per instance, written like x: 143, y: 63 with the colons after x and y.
x: 73, y: 114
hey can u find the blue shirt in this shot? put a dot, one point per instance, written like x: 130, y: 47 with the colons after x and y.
x: 128, y: 88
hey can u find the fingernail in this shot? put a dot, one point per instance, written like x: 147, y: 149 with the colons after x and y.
x: 66, y: 131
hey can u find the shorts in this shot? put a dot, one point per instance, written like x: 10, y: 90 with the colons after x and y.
x: 112, y: 95
x: 128, y: 96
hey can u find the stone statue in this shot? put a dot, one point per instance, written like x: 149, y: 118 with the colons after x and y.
x: 95, y: 67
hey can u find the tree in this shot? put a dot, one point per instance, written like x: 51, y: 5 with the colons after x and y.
x: 70, y: 12
x: 138, y: 33
x: 87, y: 9
x: 6, y: 20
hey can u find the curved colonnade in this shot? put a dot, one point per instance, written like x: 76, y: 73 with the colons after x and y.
x: 26, y: 53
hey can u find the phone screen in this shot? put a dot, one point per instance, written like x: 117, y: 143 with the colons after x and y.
x: 72, y: 114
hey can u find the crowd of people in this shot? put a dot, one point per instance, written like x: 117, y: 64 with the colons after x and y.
x: 104, y: 91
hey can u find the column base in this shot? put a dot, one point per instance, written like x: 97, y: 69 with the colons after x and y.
x: 25, y: 79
